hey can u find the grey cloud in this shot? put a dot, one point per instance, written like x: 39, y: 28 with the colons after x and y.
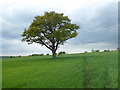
x: 108, y: 15
x: 13, y: 24
x: 100, y: 25
x: 17, y: 16
x: 10, y: 31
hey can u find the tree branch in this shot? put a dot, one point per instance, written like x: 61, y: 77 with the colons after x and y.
x: 57, y: 45
x: 46, y: 45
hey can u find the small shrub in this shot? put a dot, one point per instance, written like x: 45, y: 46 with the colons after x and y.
x: 97, y: 50
x: 19, y: 56
x: 61, y: 53
x: 107, y: 50
x: 47, y: 54
x: 12, y: 56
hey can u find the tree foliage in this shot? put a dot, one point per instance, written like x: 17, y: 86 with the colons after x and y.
x: 51, y: 30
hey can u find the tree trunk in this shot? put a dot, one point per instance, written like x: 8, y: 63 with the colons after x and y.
x: 53, y: 53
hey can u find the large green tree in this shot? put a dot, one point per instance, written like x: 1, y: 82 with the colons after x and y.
x: 51, y: 30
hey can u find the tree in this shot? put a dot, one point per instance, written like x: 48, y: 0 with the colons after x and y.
x: 51, y: 30
x: 97, y: 50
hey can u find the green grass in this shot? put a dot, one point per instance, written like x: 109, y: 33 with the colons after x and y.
x: 87, y: 70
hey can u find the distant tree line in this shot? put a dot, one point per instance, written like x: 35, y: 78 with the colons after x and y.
x: 14, y: 56
x: 36, y: 55
x: 106, y: 50
x: 63, y: 52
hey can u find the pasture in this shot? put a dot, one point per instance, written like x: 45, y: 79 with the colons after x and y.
x: 84, y: 70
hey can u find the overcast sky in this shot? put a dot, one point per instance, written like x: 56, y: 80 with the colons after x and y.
x: 98, y: 21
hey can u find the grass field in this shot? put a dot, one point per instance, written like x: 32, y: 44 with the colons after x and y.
x: 87, y: 70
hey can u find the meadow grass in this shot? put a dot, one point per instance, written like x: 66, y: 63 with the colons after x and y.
x: 85, y: 70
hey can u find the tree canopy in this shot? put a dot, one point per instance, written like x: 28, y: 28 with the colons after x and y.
x: 51, y: 30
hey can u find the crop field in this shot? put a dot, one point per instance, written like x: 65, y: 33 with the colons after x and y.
x: 84, y: 70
